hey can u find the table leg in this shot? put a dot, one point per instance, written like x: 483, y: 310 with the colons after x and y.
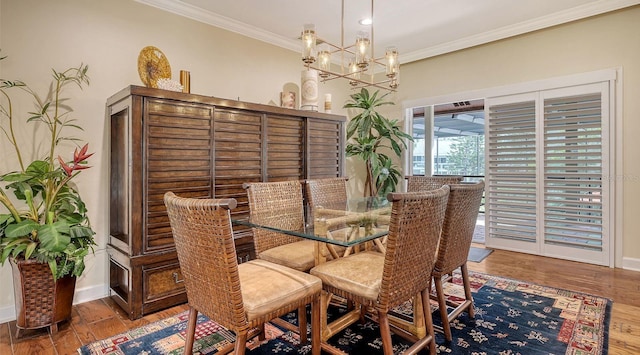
x: 320, y: 257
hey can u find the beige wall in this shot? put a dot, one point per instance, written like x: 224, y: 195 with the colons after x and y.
x: 602, y: 42
x: 108, y: 35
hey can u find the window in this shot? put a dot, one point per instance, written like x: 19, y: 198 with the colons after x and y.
x: 550, y: 163
x: 547, y: 159
x: 454, y: 138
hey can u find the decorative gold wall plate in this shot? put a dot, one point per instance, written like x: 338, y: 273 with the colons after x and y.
x: 153, y: 65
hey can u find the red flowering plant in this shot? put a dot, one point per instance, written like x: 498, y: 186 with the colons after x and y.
x: 46, y: 220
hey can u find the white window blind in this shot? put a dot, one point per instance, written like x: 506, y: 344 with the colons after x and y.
x: 548, y: 154
x: 573, y: 171
x: 511, y: 195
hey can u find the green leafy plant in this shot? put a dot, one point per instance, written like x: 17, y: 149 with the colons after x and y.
x: 368, y: 134
x: 46, y: 220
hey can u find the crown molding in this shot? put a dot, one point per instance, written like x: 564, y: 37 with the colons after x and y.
x: 229, y: 24
x: 573, y: 14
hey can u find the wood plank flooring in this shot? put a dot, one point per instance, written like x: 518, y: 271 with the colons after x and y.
x: 102, y: 318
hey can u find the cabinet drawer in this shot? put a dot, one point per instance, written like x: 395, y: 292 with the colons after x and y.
x: 162, y: 281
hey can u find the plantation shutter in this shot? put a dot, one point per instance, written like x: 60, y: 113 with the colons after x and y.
x: 511, y: 192
x: 573, y: 171
x: 547, y: 158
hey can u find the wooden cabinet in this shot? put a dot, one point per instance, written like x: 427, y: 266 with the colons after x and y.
x: 196, y: 146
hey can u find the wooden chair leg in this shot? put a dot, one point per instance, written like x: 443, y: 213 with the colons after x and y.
x: 428, y: 320
x: 316, y: 341
x: 302, y: 324
x: 385, y: 333
x: 241, y: 343
x: 467, y: 289
x: 442, y: 303
x: 191, y: 330
x: 263, y: 332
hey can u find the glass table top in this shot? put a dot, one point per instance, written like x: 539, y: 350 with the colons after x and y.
x: 345, y: 223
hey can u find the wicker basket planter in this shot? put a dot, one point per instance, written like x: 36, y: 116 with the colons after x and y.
x: 40, y: 301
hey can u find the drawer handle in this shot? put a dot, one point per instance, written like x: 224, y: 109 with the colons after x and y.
x: 175, y: 278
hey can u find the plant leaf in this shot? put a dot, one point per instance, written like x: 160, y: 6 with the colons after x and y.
x: 30, y: 249
x: 54, y: 237
x: 24, y: 228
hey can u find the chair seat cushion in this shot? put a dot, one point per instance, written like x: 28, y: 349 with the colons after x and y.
x: 359, y: 274
x: 298, y: 255
x: 267, y: 287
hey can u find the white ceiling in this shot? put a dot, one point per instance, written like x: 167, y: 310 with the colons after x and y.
x: 418, y: 28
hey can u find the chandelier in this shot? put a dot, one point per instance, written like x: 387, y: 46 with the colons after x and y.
x: 357, y: 61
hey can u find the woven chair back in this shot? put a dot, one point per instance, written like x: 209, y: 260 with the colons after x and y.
x: 204, y: 242
x: 277, y: 204
x: 414, y: 229
x: 426, y: 183
x: 325, y: 192
x: 459, y: 224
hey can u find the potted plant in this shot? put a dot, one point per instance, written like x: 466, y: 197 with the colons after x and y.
x: 45, y: 231
x: 369, y: 135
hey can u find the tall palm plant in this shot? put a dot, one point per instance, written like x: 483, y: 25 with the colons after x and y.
x: 369, y: 134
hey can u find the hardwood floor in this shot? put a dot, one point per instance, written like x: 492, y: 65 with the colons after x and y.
x: 102, y: 318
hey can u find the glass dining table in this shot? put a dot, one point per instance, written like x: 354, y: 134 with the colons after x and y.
x: 342, y: 228
x: 347, y: 224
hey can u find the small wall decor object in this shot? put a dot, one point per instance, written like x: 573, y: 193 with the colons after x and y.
x: 288, y: 99
x: 327, y: 103
x: 153, y: 65
x: 295, y: 89
x: 185, y: 80
x: 309, y: 90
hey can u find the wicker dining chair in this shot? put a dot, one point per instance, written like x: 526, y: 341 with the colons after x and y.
x: 326, y: 192
x: 425, y: 183
x: 241, y: 297
x: 279, y: 204
x: 385, y: 281
x: 453, y: 250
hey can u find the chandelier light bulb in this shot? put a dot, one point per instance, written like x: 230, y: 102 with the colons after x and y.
x: 362, y: 49
x: 354, y: 71
x: 309, y: 43
x: 392, y: 66
x: 324, y: 62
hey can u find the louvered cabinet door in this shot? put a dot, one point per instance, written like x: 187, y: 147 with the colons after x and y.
x: 324, y: 148
x: 238, y: 159
x: 178, y: 150
x: 284, y: 148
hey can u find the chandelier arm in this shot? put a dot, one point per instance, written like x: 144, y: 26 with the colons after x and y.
x: 375, y: 85
x: 363, y: 83
x: 337, y: 47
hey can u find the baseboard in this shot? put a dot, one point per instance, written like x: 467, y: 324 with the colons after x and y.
x: 631, y: 264
x: 7, y: 314
x: 91, y: 293
x: 82, y: 295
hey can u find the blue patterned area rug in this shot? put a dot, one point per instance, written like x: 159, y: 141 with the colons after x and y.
x: 512, y: 317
